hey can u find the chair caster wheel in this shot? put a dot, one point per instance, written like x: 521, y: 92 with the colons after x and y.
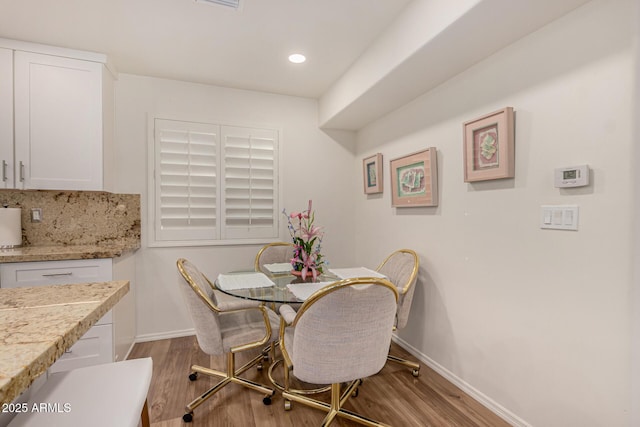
x: 259, y: 366
x: 193, y: 376
x: 355, y: 392
x: 415, y: 372
x: 266, y: 400
x: 188, y: 417
x: 287, y: 405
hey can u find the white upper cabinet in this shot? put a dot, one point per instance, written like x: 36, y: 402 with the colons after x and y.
x: 55, y: 113
x: 6, y: 118
x: 58, y: 122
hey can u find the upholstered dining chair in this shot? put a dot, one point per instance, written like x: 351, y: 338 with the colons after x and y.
x: 341, y: 334
x: 401, y: 268
x: 277, y: 252
x: 225, y: 325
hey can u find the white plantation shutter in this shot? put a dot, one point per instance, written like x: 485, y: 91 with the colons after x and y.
x: 213, y: 184
x: 186, y: 180
x: 250, y: 184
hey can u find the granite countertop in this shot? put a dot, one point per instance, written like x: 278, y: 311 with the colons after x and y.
x: 74, y: 224
x: 65, y: 252
x: 37, y: 325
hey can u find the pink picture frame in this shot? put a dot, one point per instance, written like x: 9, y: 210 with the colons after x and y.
x: 372, y: 174
x: 489, y: 146
x: 414, y: 179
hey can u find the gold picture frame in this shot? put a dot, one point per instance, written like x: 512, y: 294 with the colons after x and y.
x: 414, y: 179
x: 489, y: 146
x: 372, y: 174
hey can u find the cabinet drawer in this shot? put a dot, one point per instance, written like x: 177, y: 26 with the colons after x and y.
x: 21, y: 274
x: 94, y: 348
x: 42, y: 273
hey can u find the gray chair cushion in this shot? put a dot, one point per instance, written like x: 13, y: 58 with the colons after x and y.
x: 398, y: 268
x: 274, y: 253
x: 343, y: 336
x: 217, y: 332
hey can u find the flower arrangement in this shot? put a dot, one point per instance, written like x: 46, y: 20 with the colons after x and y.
x: 307, y: 239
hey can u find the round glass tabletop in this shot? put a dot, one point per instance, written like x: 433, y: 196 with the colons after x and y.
x: 279, y: 292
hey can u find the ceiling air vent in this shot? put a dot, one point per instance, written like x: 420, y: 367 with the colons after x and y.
x: 234, y: 4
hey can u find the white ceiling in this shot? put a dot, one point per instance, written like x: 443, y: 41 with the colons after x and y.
x: 185, y: 40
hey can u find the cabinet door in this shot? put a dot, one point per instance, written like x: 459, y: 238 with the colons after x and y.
x: 6, y: 118
x: 94, y: 348
x: 58, y: 122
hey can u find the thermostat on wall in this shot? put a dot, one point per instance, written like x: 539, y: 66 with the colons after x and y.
x: 575, y: 176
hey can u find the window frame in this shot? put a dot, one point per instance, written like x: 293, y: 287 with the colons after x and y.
x: 221, y: 234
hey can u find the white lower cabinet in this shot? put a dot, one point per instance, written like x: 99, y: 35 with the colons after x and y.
x: 109, y: 340
x: 94, y: 348
x: 98, y: 344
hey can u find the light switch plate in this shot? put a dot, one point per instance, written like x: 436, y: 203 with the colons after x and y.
x: 36, y: 214
x: 559, y: 217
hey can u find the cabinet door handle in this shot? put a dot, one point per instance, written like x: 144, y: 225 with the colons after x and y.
x: 4, y: 170
x: 56, y: 274
x: 21, y: 171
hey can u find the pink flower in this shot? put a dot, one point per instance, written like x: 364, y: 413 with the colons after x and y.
x: 307, y: 238
x: 310, y: 232
x: 306, y: 213
x: 308, y: 262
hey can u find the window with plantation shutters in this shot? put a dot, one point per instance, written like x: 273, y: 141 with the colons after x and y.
x: 249, y: 182
x: 213, y: 184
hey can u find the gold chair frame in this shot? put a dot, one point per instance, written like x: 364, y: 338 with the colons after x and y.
x: 335, y: 408
x: 415, y: 367
x: 256, y: 264
x: 256, y: 267
x: 231, y: 374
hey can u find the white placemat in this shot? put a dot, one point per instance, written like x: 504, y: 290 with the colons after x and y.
x: 280, y: 267
x: 350, y: 273
x: 230, y: 282
x: 302, y: 291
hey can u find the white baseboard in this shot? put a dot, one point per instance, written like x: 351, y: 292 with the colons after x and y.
x: 476, y: 394
x: 165, y: 335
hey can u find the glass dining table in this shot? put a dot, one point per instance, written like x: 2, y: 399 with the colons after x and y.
x: 285, y: 288
x: 274, y: 289
x: 282, y: 287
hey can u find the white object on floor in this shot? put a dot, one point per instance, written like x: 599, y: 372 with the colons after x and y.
x: 108, y: 395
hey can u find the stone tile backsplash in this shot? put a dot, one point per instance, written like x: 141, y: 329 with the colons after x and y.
x: 76, y: 217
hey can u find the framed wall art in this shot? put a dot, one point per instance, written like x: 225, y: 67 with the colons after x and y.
x: 372, y: 174
x: 414, y: 179
x: 489, y: 147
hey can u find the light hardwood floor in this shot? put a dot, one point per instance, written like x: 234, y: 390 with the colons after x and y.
x: 393, y: 396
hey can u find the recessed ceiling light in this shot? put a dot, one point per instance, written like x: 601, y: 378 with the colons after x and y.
x: 297, y: 58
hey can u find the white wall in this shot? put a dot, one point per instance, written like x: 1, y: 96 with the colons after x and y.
x: 535, y: 322
x: 313, y: 166
x: 635, y: 295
